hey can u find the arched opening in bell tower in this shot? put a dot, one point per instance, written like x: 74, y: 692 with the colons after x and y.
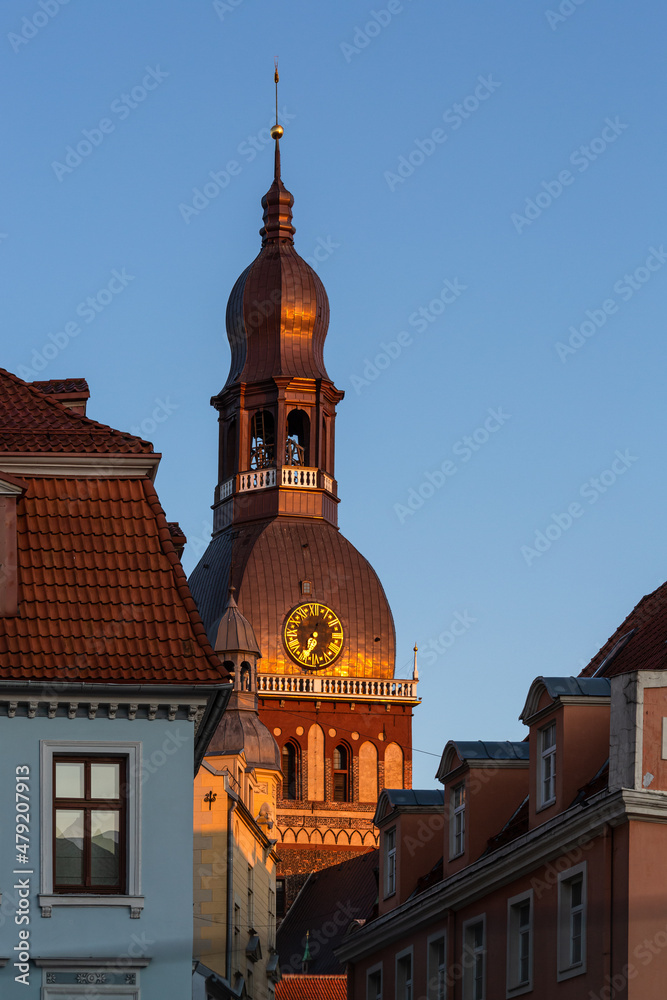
x: 262, y: 440
x: 297, y: 445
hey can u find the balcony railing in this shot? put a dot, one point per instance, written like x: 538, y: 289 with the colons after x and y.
x: 295, y: 476
x: 335, y: 687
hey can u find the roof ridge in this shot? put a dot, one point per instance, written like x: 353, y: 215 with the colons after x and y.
x: 73, y: 415
x: 179, y: 576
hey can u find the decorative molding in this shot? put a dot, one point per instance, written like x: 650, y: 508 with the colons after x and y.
x: 92, y: 963
x: 51, y: 703
x: 63, y: 465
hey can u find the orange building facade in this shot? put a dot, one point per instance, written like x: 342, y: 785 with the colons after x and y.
x: 541, y: 868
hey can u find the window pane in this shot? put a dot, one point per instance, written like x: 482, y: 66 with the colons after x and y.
x: 105, y: 781
x: 104, y: 852
x: 69, y: 847
x: 575, y: 899
x: 70, y: 780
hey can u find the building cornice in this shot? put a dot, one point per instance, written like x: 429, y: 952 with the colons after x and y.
x: 570, y: 830
x: 74, y: 465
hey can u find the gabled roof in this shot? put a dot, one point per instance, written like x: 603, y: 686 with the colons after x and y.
x: 639, y: 642
x: 563, y: 687
x: 293, y: 987
x: 469, y: 752
x: 31, y: 420
x: 103, y: 596
x: 332, y: 898
x: 408, y: 800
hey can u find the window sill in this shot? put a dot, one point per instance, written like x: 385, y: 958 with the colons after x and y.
x: 134, y: 903
x: 517, y: 991
x: 455, y: 857
x: 545, y: 805
x: 389, y: 895
x: 571, y: 972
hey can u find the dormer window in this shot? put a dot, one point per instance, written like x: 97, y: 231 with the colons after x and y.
x: 547, y: 765
x: 457, y: 816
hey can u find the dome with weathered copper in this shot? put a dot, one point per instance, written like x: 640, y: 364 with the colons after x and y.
x: 278, y: 311
x: 234, y: 633
x: 241, y: 729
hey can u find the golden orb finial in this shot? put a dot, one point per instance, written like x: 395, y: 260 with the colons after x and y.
x: 277, y: 131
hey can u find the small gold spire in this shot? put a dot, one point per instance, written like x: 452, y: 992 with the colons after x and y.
x: 276, y: 130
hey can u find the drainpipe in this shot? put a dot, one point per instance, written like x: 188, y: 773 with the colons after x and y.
x: 232, y: 799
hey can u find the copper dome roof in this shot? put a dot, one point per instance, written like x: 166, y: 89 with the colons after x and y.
x: 241, y: 729
x: 278, y: 310
x: 235, y: 634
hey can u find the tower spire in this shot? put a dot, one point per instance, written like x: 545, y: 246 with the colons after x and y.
x: 277, y: 202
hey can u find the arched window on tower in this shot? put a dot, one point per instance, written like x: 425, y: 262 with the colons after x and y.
x: 291, y: 759
x: 262, y: 440
x: 229, y: 458
x: 297, y: 446
x: 341, y: 774
x: 246, y: 676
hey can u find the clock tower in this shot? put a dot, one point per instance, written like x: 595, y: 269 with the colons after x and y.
x: 325, y: 680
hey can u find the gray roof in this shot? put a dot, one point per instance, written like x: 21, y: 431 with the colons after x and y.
x: 564, y: 687
x: 242, y: 729
x: 415, y: 796
x: 235, y: 633
x: 491, y: 750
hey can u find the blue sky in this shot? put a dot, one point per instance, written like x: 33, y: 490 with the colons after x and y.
x: 499, y: 167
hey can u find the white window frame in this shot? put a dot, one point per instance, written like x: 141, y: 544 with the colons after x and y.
x: 547, y: 765
x: 469, y: 949
x: 457, y: 821
x: 566, y: 968
x: 371, y: 973
x: 514, y: 986
x: 408, y: 986
x: 132, y: 752
x: 390, y: 863
x: 433, y: 972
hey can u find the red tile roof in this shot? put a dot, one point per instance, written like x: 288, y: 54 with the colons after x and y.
x: 103, y: 596
x: 312, y: 988
x: 32, y: 421
x: 62, y: 386
x: 645, y: 649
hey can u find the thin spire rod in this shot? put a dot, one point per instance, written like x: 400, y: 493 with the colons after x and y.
x: 276, y: 78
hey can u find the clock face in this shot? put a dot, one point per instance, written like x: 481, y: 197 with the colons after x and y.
x: 313, y: 635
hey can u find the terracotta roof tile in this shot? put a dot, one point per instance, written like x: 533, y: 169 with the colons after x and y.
x: 644, y: 635
x: 32, y: 421
x: 103, y: 596
x: 312, y: 988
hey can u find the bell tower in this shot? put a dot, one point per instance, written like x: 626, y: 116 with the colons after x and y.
x: 325, y: 683
x: 277, y: 409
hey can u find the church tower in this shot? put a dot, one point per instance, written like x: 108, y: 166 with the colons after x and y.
x: 325, y: 680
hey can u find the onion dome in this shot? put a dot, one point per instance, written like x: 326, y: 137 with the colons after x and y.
x: 241, y: 729
x: 278, y: 311
x: 235, y: 633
